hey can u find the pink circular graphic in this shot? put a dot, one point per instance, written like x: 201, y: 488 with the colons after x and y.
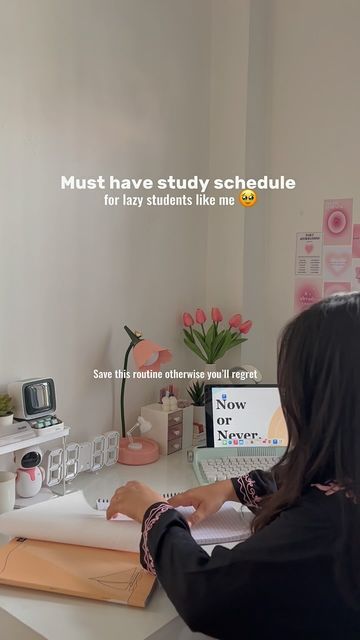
x: 336, y: 221
x: 306, y: 295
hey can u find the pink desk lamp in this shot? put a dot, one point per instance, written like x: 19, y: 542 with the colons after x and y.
x: 148, y: 356
x: 138, y: 450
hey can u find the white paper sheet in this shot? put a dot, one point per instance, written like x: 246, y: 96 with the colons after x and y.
x: 71, y: 520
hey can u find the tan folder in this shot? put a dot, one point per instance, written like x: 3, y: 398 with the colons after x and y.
x: 86, y: 572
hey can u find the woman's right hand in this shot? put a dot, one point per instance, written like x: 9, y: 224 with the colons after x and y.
x: 205, y: 500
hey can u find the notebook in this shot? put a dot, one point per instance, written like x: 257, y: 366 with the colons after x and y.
x: 227, y: 525
x: 97, y: 574
x: 71, y: 520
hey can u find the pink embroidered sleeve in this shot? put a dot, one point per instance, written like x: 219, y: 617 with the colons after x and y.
x: 246, y: 489
x: 252, y: 487
x: 150, y: 519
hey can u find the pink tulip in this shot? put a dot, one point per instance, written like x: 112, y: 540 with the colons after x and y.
x: 200, y: 316
x: 216, y: 315
x: 245, y: 326
x: 235, y: 321
x: 188, y: 320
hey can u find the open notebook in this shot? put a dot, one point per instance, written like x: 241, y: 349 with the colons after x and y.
x: 227, y: 525
x: 71, y: 520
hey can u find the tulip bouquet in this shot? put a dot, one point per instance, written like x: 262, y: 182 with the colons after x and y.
x: 212, y: 343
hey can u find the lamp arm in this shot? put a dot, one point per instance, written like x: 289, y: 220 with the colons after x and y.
x: 128, y: 433
x: 131, y: 431
x: 122, y: 393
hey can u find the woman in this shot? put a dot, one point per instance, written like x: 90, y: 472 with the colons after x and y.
x: 298, y: 575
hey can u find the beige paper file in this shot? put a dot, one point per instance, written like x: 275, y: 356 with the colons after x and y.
x: 98, y: 574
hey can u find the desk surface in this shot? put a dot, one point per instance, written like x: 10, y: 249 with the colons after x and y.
x: 58, y: 617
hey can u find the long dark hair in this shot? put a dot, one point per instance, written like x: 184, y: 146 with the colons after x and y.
x: 319, y: 383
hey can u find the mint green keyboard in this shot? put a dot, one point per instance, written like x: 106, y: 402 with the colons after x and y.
x: 212, y: 464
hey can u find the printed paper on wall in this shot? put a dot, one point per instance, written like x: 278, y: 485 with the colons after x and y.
x: 337, y: 222
x: 308, y: 260
x: 307, y: 292
x: 337, y: 264
x: 356, y: 241
x: 336, y: 287
x: 355, y: 276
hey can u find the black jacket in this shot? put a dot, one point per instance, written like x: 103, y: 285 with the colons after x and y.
x: 279, y: 583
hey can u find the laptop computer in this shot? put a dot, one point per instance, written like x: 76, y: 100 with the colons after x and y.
x: 241, y: 421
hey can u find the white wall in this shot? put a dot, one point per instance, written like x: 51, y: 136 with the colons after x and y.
x: 93, y: 88
x: 256, y: 223
x: 134, y: 87
x: 315, y: 135
x: 228, y: 94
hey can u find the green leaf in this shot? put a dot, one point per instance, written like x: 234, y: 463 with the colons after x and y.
x: 210, y: 335
x: 196, y: 393
x: 227, y: 344
x: 188, y: 335
x: 202, y: 341
x: 230, y: 345
x: 218, y: 343
x: 195, y: 349
x: 238, y: 341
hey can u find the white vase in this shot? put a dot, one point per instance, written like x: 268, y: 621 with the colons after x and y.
x: 6, y: 421
x: 209, y: 370
x: 210, y: 367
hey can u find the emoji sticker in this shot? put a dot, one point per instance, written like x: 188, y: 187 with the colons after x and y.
x: 247, y: 198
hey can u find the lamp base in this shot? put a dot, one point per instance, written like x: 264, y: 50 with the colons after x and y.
x: 149, y: 452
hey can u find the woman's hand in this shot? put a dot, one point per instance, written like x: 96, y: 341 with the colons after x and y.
x: 132, y: 500
x: 205, y: 500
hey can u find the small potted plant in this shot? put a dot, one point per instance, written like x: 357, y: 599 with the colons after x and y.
x: 6, y: 410
x: 197, y: 394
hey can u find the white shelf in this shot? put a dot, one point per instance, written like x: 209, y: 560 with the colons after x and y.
x: 37, y: 440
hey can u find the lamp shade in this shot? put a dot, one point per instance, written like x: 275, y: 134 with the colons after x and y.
x: 150, y: 356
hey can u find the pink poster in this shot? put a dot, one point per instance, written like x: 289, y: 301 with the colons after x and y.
x: 356, y: 241
x: 336, y: 287
x: 307, y: 292
x: 337, y: 264
x: 337, y: 223
x: 355, y: 278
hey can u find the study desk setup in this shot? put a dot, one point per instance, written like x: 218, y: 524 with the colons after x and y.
x: 231, y: 448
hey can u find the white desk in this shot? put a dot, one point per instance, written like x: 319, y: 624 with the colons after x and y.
x: 59, y: 617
